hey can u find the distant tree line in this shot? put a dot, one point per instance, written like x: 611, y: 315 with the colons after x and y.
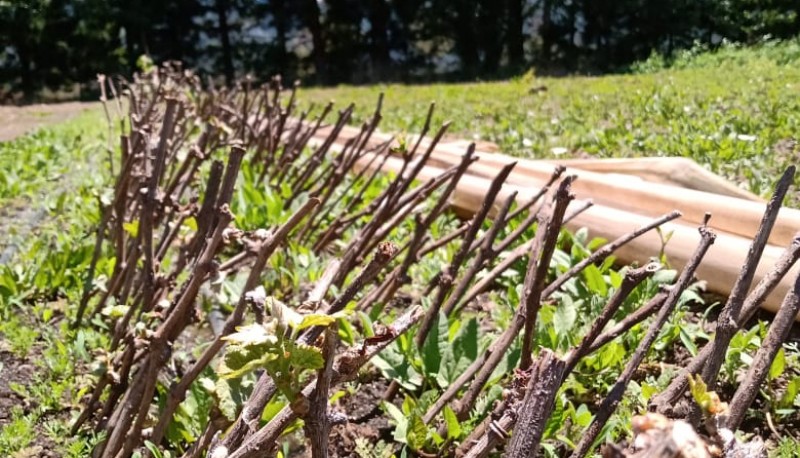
x: 53, y: 43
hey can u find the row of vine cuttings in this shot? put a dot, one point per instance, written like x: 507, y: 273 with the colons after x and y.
x: 251, y: 268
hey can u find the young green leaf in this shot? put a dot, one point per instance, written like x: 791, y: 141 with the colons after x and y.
x: 132, y: 228
x: 565, y: 315
x: 790, y: 397
x: 435, y: 345
x: 417, y: 432
x: 236, y: 364
x: 594, y: 280
x: 400, y: 422
x: 224, y: 395
x: 314, y: 320
x: 778, y: 365
x: 453, y: 425
x: 252, y: 334
x: 305, y: 356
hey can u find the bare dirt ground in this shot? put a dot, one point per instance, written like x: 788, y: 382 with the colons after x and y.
x: 19, y: 120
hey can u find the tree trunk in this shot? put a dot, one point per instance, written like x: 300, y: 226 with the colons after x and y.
x: 279, y: 14
x: 514, y: 37
x: 466, y: 44
x: 492, y: 34
x: 546, y: 31
x: 225, y: 39
x: 25, y: 44
x: 26, y: 74
x: 379, y: 42
x: 536, y: 406
x: 311, y: 15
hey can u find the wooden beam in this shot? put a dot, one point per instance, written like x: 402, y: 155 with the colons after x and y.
x: 622, y: 203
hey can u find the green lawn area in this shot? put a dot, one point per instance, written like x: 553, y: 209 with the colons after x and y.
x: 48, y: 207
x: 737, y: 114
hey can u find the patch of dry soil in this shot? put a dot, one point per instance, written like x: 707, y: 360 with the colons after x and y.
x: 20, y: 120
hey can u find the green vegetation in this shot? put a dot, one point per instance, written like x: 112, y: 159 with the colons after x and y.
x: 787, y: 448
x: 737, y: 112
x: 727, y: 56
x: 740, y: 120
x: 48, y: 205
x: 56, y: 45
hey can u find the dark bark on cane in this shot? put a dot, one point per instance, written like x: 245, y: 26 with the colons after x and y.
x: 447, y: 276
x: 548, y: 372
x: 616, y: 392
x: 537, y: 269
x: 759, y: 369
x: 665, y: 401
x: 631, y: 280
x: 317, y: 422
x: 727, y: 321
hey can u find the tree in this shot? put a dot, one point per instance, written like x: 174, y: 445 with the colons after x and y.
x: 379, y: 40
x: 22, y: 25
x: 225, y: 39
x: 281, y: 21
x: 514, y: 37
x: 55, y: 43
x: 311, y: 17
x: 464, y: 34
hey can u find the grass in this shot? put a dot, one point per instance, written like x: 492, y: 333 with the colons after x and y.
x: 736, y: 115
x: 35, y: 163
x: 48, y: 202
x: 727, y: 55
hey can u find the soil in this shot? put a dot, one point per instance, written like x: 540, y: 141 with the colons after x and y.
x: 366, y: 423
x: 20, y: 120
x: 15, y: 371
x: 366, y: 419
x: 19, y: 373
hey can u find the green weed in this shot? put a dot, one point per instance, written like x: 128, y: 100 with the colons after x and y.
x: 48, y: 199
x: 740, y: 120
x: 740, y: 123
x: 787, y: 448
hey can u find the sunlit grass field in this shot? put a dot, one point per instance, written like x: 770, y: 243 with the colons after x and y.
x: 736, y: 112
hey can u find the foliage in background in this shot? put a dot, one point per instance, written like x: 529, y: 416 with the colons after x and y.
x: 57, y: 43
x: 740, y: 120
x: 727, y: 55
x: 609, y: 116
x: 48, y: 199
